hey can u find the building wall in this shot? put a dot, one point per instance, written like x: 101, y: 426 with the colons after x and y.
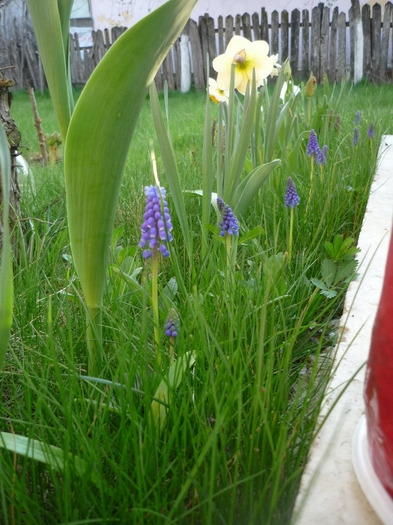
x: 109, y: 13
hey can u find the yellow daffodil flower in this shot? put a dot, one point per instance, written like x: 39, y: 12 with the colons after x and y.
x: 217, y: 95
x: 247, y: 56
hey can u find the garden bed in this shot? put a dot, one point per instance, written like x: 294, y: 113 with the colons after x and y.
x: 330, y: 490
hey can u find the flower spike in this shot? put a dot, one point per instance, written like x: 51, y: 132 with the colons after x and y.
x: 155, y: 224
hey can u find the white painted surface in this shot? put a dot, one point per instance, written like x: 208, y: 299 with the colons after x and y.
x: 109, y: 13
x: 330, y: 493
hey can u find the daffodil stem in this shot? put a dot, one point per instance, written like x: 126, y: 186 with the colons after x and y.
x: 154, y: 302
x: 311, y: 182
x: 308, y: 112
x: 290, y: 236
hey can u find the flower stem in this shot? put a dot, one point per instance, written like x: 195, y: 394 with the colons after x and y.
x: 154, y: 302
x: 290, y: 237
x: 311, y: 181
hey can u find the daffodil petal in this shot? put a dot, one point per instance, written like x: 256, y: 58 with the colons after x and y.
x: 257, y: 48
x: 222, y: 62
x: 236, y: 44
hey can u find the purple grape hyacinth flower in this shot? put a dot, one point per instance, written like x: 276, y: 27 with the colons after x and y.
x: 357, y: 117
x: 292, y: 199
x: 172, y: 324
x: 322, y: 156
x: 312, y: 145
x: 371, y: 131
x: 228, y: 223
x: 155, y: 225
x: 355, y: 136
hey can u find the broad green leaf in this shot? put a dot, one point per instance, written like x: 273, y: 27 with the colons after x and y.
x: 100, y: 133
x: 328, y: 270
x: 169, y: 384
x: 6, y: 273
x: 49, y: 18
x: 251, y: 185
x: 52, y: 456
x: 168, y: 158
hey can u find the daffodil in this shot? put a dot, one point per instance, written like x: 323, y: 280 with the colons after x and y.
x: 247, y: 57
x: 217, y: 95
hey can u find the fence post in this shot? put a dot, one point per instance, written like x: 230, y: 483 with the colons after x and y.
x: 358, y: 41
x: 185, y: 64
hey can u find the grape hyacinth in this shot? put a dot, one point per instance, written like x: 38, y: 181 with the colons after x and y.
x: 322, y: 156
x: 371, y: 131
x: 172, y: 324
x: 355, y: 136
x: 357, y: 117
x: 156, y: 227
x: 228, y: 223
x: 292, y: 199
x: 312, y: 145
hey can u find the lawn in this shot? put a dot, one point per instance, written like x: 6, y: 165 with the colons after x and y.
x: 257, y: 319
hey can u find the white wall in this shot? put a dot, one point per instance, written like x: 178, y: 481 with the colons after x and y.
x: 109, y: 13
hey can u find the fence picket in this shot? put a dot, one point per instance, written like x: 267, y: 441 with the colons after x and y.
x: 264, y: 26
x: 316, y: 42
x: 284, y: 36
x: 376, y: 41
x: 256, y: 26
x: 295, y: 39
x: 385, y: 39
x: 324, y: 60
x: 246, y: 24
x: 274, y: 33
x: 305, y: 43
x: 342, y: 46
x: 333, y: 46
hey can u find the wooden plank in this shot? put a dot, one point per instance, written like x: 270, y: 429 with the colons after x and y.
x: 295, y: 39
x: 274, y: 33
x: 107, y: 39
x: 325, y: 42
x: 238, y: 25
x: 211, y: 37
x: 284, y: 36
x: 204, y: 43
x: 228, y: 29
x: 376, y: 41
x: 246, y: 24
x: 264, y: 26
x: 256, y: 26
x: 221, y: 45
x: 351, y: 44
x: 316, y: 42
x: 366, y: 22
x: 385, y: 39
x: 73, y: 61
x: 167, y: 69
x: 176, y: 63
x: 305, y: 44
x: 342, y: 46
x: 196, y: 56
x: 333, y: 47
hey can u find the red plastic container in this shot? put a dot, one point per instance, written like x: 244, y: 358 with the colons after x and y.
x: 378, y: 390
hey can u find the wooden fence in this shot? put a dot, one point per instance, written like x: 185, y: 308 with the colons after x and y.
x: 320, y: 40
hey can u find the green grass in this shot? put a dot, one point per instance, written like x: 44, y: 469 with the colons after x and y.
x: 241, y: 422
